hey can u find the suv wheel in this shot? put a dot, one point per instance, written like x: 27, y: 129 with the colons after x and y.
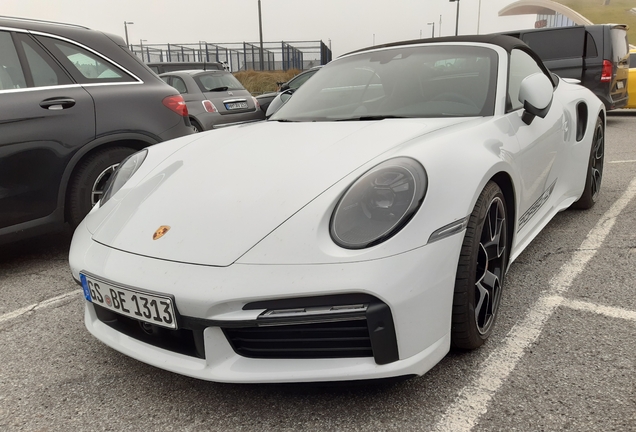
x: 90, y: 179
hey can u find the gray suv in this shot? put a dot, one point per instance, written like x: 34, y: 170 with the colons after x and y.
x: 74, y: 103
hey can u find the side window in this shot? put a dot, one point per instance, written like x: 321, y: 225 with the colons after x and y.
x: 44, y: 71
x: 83, y: 65
x: 632, y: 60
x: 557, y: 44
x: 179, y: 84
x: 521, y: 66
x: 590, y: 46
x: 11, y: 75
x: 297, y: 82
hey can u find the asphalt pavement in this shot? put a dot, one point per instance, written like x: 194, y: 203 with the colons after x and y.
x: 562, y: 356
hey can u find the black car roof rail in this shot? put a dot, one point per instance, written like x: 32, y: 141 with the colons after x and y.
x: 42, y: 22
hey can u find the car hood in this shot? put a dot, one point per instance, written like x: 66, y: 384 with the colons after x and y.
x: 228, y: 189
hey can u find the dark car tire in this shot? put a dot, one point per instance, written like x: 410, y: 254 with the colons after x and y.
x: 480, y: 271
x: 594, y: 174
x: 90, y: 178
x: 195, y: 125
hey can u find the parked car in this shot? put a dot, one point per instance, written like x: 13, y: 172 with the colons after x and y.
x: 74, y: 102
x: 596, y: 55
x: 163, y: 67
x: 265, y: 99
x: 359, y: 233
x: 631, y: 86
x: 214, y: 98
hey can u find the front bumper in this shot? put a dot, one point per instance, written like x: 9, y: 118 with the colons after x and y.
x: 417, y: 288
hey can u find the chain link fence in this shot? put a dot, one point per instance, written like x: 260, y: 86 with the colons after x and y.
x: 240, y: 56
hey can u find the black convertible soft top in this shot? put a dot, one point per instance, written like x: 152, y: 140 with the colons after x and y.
x: 506, y: 42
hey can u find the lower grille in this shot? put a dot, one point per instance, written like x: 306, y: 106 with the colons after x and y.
x: 182, y: 341
x: 339, y: 339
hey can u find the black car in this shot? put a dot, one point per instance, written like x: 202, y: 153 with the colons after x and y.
x: 265, y: 99
x: 74, y: 103
x: 596, y: 55
x: 213, y: 98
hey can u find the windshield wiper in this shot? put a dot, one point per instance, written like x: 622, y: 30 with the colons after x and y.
x: 219, y: 88
x: 371, y: 117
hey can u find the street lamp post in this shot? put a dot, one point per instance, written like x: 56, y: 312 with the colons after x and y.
x: 478, y: 15
x: 432, y: 31
x: 126, y: 31
x: 260, y: 32
x: 456, y: 17
x: 141, y: 44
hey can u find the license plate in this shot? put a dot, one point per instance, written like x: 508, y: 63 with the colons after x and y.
x: 142, y: 306
x: 620, y: 84
x: 235, y: 105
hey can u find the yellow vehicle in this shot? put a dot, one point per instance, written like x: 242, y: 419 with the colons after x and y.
x: 631, y: 80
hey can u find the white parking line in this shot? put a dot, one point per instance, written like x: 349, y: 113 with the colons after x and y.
x: 472, y: 401
x: 623, y: 161
x: 36, y: 306
x: 609, y: 311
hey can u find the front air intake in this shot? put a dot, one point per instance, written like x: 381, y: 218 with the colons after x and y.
x: 339, y: 339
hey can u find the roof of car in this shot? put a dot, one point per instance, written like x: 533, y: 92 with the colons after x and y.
x: 34, y: 24
x: 506, y: 42
x: 195, y: 72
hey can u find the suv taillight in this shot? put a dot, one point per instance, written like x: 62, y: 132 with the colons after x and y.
x: 176, y: 104
x: 606, y: 75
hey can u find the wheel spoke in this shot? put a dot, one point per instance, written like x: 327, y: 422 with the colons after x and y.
x: 481, y: 308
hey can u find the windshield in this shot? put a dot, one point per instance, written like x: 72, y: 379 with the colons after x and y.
x: 415, y: 82
x: 217, y: 82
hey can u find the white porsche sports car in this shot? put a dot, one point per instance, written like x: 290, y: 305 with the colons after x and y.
x: 359, y: 233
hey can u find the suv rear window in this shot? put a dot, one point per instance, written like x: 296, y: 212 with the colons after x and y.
x: 619, y: 43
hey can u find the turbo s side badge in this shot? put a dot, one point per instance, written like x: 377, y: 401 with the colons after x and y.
x: 163, y: 229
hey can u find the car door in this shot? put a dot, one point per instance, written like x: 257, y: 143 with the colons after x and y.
x: 44, y: 118
x: 540, y: 143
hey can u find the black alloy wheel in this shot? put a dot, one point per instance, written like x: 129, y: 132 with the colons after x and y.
x: 480, y: 272
x: 594, y: 175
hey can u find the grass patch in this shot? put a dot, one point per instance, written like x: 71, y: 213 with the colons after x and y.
x: 257, y: 82
x: 616, y: 12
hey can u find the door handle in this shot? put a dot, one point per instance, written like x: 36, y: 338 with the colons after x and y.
x: 57, y: 103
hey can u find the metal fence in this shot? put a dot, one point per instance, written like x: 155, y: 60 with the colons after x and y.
x: 240, y: 56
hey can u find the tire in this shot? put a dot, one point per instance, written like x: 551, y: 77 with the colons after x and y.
x: 594, y: 174
x: 88, y: 182
x: 196, y: 126
x: 480, y: 271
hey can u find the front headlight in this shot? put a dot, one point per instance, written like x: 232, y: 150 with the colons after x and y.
x: 124, y: 172
x: 379, y: 203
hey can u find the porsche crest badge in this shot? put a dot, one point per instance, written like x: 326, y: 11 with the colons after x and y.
x: 163, y: 229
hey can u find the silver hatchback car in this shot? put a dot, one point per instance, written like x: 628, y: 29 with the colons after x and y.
x: 213, y: 98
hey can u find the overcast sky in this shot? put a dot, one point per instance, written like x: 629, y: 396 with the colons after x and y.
x: 349, y: 24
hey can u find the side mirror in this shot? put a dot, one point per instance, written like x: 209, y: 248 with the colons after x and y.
x: 284, y: 87
x: 280, y: 100
x: 535, y: 93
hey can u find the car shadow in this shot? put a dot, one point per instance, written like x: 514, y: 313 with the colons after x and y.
x: 42, y: 247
